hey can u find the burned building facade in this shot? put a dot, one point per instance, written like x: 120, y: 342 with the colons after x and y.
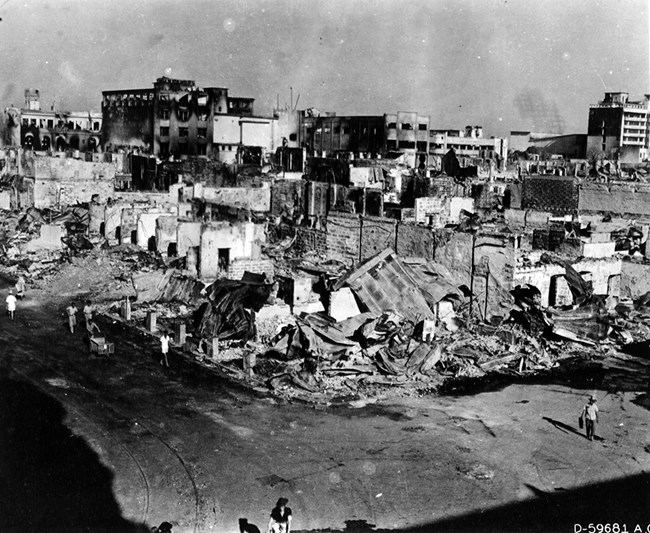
x: 174, y: 118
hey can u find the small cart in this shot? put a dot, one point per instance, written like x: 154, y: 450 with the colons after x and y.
x: 99, y: 346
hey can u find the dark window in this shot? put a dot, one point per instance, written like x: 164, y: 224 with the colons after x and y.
x: 182, y: 132
x: 392, y: 126
x: 223, y: 258
x: 391, y: 145
x: 406, y: 126
x: 337, y: 129
x: 422, y: 127
x: 203, y: 114
x: 95, y: 126
x: 164, y: 131
x: 201, y: 149
x: 293, y: 137
x: 164, y: 114
x: 164, y: 149
x: 407, y: 144
x: 202, y: 132
x: 182, y: 148
x: 346, y: 130
x: 183, y: 115
x: 50, y: 123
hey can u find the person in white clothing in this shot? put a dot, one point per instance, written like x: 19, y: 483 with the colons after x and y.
x: 164, y: 348
x: 11, y: 304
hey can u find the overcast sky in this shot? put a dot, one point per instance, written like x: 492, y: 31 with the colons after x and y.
x: 507, y: 65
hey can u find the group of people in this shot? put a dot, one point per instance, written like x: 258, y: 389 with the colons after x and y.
x: 91, y: 327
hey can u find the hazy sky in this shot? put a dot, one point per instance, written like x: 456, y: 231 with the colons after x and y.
x: 507, y: 64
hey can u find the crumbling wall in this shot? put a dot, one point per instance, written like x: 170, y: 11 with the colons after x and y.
x: 189, y: 236
x: 635, y: 279
x: 311, y: 240
x: 617, y: 198
x: 605, y: 275
x: 377, y: 235
x: 166, y: 232
x: 493, y: 271
x: 237, y: 268
x: 415, y: 241
x: 237, y: 238
x: 253, y: 198
x: 285, y: 194
x: 343, y: 237
x: 67, y: 181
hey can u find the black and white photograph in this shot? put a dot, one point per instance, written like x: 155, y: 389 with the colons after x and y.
x: 325, y: 266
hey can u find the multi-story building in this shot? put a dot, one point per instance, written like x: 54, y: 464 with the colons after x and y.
x: 467, y: 143
x: 59, y: 130
x: 178, y: 118
x: 408, y: 133
x: 619, y: 128
x: 325, y: 134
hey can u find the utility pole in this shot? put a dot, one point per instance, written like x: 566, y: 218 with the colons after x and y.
x: 471, y: 281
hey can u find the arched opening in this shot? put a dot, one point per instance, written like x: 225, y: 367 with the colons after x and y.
x: 172, y: 249
x: 61, y: 145
x: 28, y: 141
x: 74, y: 142
x: 46, y: 143
x: 92, y: 144
x: 151, y: 244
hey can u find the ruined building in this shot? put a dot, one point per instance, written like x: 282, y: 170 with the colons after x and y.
x: 177, y: 118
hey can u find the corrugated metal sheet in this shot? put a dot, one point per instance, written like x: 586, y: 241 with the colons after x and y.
x: 383, y: 284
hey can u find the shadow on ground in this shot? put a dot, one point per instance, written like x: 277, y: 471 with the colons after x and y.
x: 622, y: 501
x: 50, y: 480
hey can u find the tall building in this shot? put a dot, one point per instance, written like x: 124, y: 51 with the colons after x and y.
x: 619, y: 128
x: 178, y: 118
x: 53, y: 129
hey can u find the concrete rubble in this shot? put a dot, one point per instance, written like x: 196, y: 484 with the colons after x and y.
x: 386, y: 281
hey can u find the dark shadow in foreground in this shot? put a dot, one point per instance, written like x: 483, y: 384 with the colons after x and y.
x: 50, y: 480
x: 622, y: 501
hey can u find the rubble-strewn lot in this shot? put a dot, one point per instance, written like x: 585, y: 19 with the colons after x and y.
x: 403, y: 328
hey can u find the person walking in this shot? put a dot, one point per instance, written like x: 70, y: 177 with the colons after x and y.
x: 71, y: 311
x: 88, y: 311
x: 164, y: 348
x: 590, y: 415
x: 11, y: 304
x: 280, y: 521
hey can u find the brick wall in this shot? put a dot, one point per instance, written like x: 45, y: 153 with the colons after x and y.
x: 237, y: 268
x: 311, y: 240
x: 415, y: 241
x: 556, y: 194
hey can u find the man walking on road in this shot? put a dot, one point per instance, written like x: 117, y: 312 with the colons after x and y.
x: 11, y: 304
x: 164, y: 348
x: 590, y: 414
x: 71, y: 311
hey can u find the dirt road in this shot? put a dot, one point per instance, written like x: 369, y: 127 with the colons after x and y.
x: 111, y: 444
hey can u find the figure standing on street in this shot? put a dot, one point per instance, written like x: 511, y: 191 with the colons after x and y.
x: 11, y: 304
x: 590, y: 414
x: 280, y: 521
x: 88, y: 311
x: 71, y: 311
x: 164, y: 348
x: 20, y: 288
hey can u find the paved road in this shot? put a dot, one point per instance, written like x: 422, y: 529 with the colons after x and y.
x: 121, y: 442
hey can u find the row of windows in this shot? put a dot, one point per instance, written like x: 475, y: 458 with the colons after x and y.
x: 49, y: 123
x: 406, y: 126
x: 184, y: 114
x: 184, y: 132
